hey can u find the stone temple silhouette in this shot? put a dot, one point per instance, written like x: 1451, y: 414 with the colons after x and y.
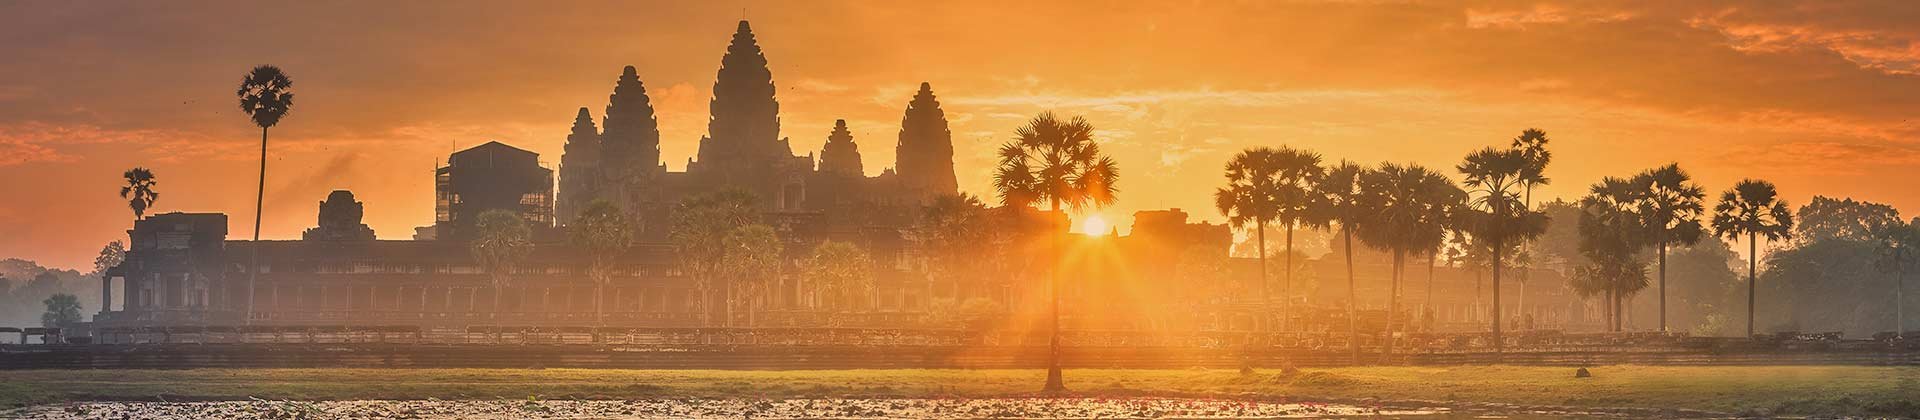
x: 182, y: 270
x: 744, y: 149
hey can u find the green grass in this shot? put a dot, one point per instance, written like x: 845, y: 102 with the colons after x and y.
x: 1821, y: 390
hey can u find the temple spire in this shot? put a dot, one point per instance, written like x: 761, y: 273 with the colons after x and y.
x: 744, y: 129
x: 841, y: 156
x: 924, y: 156
x: 632, y: 138
x: 579, y: 167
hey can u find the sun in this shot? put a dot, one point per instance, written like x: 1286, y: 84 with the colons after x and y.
x: 1094, y: 226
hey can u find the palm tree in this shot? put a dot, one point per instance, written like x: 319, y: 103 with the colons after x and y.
x: 1752, y: 208
x: 752, y: 262
x: 1613, y: 228
x: 1672, y: 205
x: 698, y: 232
x: 605, y: 234
x: 1055, y: 161
x: 139, y: 191
x: 1493, y: 179
x: 1339, y: 200
x: 501, y: 240
x: 1269, y: 185
x: 840, y: 275
x: 955, y: 228
x: 1532, y: 145
x: 265, y: 96
x: 1299, y: 171
x: 1406, y: 206
x: 1897, y: 240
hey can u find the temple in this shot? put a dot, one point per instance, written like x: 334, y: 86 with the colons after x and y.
x: 1171, y: 273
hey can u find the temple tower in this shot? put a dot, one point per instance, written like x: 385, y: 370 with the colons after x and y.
x: 924, y: 156
x: 841, y: 156
x: 743, y: 135
x: 631, y: 143
x: 579, y: 168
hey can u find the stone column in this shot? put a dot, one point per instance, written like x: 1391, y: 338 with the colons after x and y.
x: 106, y: 293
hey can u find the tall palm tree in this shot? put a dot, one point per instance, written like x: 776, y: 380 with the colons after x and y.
x: 139, y: 191
x: 1752, y: 208
x: 1267, y: 185
x: 1898, y: 241
x: 752, y: 262
x: 266, y: 94
x: 1673, y: 205
x: 1613, y: 228
x: 501, y: 240
x: 1494, y: 178
x: 1339, y: 200
x: 1407, y: 208
x: 699, y: 228
x: 605, y: 234
x: 1532, y: 145
x: 1057, y: 162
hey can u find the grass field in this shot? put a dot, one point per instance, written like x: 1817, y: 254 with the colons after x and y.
x: 1816, y: 390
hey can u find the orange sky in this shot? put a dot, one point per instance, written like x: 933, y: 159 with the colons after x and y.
x: 1818, y: 97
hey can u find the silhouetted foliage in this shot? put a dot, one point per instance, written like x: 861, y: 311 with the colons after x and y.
x: 699, y: 230
x: 1269, y: 185
x: 1752, y: 209
x: 62, y: 310
x: 1340, y: 200
x: 1494, y: 178
x: 1613, y: 230
x: 1672, y: 207
x: 266, y: 96
x: 1406, y: 209
x: 1056, y: 162
x: 753, y: 255
x: 839, y: 275
x: 605, y: 233
x: 139, y: 190
x: 501, y: 241
x: 958, y: 234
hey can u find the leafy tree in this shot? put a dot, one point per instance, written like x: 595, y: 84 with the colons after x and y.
x: 266, y: 95
x: 752, y: 263
x: 1056, y: 162
x: 139, y: 191
x: 501, y: 241
x: 1269, y: 185
x: 1753, y: 209
x: 957, y: 231
x: 62, y: 310
x: 699, y: 228
x: 1493, y: 178
x: 1407, y: 207
x: 1827, y: 219
x: 1205, y: 275
x: 606, y: 234
x: 1340, y: 199
x: 1672, y: 206
x: 841, y: 274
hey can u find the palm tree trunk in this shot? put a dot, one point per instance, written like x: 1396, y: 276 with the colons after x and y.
x: 1393, y: 303
x: 1427, y: 307
x: 1663, y: 288
x: 1286, y: 287
x: 253, y: 250
x: 1260, y: 226
x: 1499, y: 254
x: 1054, y: 381
x: 1753, y: 267
x: 1353, y: 326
